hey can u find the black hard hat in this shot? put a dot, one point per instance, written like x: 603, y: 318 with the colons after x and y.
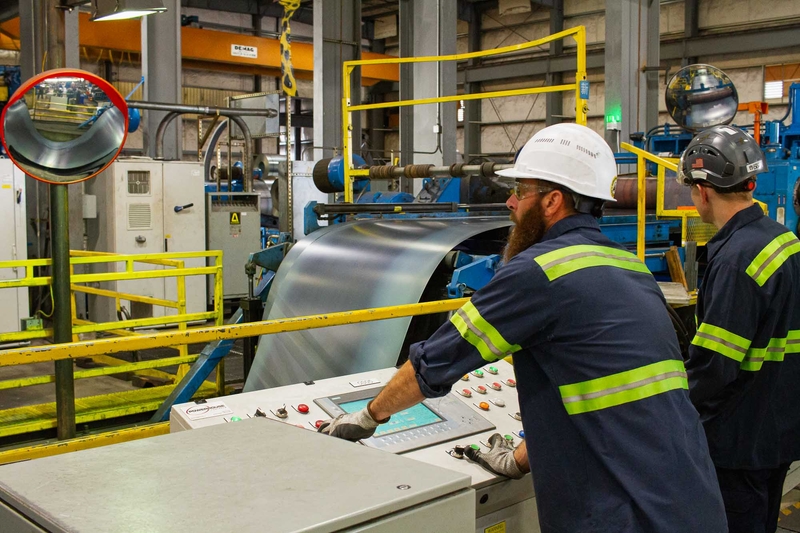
x: 724, y: 156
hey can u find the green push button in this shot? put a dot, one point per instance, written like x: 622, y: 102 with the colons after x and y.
x: 235, y: 419
x: 478, y: 373
x: 508, y: 438
x: 475, y: 447
x: 493, y: 369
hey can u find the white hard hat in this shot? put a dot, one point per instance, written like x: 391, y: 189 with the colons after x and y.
x: 570, y: 155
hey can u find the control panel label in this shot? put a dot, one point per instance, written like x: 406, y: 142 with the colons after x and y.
x: 497, y: 528
x: 236, y: 219
x: 207, y: 410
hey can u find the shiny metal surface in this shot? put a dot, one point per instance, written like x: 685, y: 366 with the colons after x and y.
x: 63, y: 161
x: 364, y: 264
x: 701, y: 96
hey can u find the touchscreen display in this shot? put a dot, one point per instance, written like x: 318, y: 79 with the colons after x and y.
x: 411, y: 418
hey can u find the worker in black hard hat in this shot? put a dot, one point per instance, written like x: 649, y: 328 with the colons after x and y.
x: 741, y: 359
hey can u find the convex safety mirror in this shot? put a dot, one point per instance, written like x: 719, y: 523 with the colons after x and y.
x: 64, y: 126
x: 701, y: 96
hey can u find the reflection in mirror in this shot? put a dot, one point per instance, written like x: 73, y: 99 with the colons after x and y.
x: 701, y: 96
x: 64, y: 129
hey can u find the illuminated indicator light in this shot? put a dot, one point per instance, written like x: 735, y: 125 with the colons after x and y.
x: 235, y: 419
x: 317, y: 424
x: 511, y: 383
x: 492, y: 370
x: 478, y: 373
x: 509, y: 438
x: 302, y: 408
x: 466, y: 392
x: 496, y: 386
x: 484, y: 406
x: 481, y: 389
x: 465, y: 377
x: 474, y: 446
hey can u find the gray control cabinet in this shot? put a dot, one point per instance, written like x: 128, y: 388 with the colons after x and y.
x: 233, y: 226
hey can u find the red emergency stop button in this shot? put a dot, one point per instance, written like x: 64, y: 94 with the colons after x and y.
x: 302, y: 408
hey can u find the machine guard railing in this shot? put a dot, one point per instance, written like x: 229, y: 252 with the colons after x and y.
x: 168, y: 265
x: 581, y: 108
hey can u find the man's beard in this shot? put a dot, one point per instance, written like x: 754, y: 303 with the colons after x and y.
x: 529, y: 230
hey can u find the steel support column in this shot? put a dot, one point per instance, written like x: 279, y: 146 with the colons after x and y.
x: 337, y: 38
x: 161, y: 67
x: 691, y: 26
x: 554, y: 107
x: 406, y: 30
x: 434, y: 125
x: 472, y: 108
x: 631, y: 60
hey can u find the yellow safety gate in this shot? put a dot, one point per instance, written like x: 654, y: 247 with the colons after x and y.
x: 581, y: 108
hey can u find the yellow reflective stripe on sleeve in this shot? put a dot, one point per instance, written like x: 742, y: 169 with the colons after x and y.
x: 572, y: 258
x: 624, y: 387
x: 772, y: 257
x: 483, y: 336
x: 755, y: 357
x: 793, y: 342
x: 721, y: 341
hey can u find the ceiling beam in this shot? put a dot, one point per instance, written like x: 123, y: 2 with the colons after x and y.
x: 252, y: 7
x: 733, y: 43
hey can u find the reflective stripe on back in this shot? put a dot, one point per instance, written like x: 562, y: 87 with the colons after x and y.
x: 624, y: 387
x: 572, y: 258
x: 772, y: 257
x: 483, y: 336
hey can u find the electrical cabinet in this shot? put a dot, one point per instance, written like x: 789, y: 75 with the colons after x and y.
x: 234, y: 226
x: 145, y: 207
x: 13, y: 244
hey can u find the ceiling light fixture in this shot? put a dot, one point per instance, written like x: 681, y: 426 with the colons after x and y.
x: 124, y: 9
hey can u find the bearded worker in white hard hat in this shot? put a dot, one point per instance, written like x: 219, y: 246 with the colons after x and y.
x: 611, y: 438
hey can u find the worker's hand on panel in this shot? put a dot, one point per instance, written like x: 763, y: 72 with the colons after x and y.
x: 500, y: 459
x: 350, y: 426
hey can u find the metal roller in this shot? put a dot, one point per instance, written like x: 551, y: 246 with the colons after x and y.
x: 359, y: 265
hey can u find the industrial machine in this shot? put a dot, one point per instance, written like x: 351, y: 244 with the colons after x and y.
x: 433, y: 432
x: 254, y: 476
x: 147, y: 206
x: 13, y: 243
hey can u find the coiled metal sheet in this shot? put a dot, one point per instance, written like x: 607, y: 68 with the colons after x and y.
x: 364, y: 264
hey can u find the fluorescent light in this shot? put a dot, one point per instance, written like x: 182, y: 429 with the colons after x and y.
x: 773, y: 90
x: 124, y: 9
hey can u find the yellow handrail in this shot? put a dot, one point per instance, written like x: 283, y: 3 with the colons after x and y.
x: 55, y: 352
x: 581, y: 108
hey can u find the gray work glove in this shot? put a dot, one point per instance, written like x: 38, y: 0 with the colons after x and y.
x: 500, y: 459
x: 350, y: 426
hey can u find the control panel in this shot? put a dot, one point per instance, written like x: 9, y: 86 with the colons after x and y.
x: 437, y: 431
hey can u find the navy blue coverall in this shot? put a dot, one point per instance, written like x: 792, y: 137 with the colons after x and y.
x: 613, y: 441
x: 743, y: 368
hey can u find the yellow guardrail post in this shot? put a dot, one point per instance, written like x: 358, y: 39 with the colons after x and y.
x: 219, y: 319
x: 641, y: 171
x: 581, y: 108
